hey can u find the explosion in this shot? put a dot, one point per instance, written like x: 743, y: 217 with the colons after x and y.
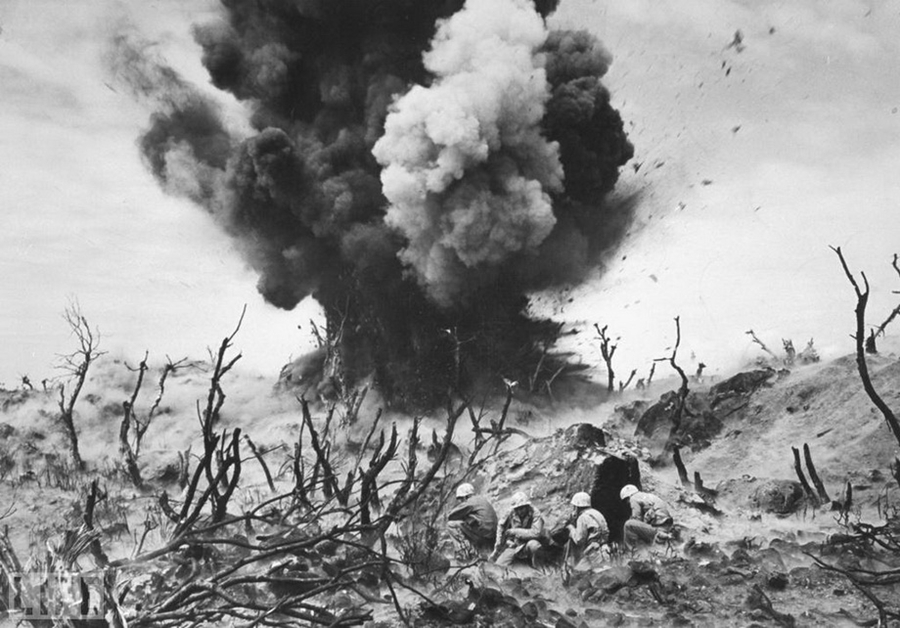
x: 416, y: 166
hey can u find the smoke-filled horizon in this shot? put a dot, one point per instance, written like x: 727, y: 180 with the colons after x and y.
x: 416, y: 167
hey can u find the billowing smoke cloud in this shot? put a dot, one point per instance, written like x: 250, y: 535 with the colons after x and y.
x: 417, y: 166
x: 467, y: 169
x: 187, y: 146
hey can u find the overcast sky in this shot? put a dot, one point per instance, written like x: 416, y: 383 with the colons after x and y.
x: 767, y: 153
x: 85, y: 218
x: 754, y: 158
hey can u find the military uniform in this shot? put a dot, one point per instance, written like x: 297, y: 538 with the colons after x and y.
x: 518, y: 534
x: 476, y: 521
x: 649, y: 516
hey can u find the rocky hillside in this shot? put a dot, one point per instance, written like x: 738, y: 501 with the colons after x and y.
x: 750, y: 533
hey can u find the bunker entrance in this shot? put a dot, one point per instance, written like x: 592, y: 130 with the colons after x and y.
x: 609, y: 478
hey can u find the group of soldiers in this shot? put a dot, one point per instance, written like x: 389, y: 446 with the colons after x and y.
x: 521, y: 535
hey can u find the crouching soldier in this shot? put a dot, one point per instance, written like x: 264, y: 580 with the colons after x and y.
x: 589, y: 533
x: 473, y: 521
x: 519, y: 532
x: 650, y: 519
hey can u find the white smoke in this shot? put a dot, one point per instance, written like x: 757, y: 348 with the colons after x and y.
x: 466, y: 169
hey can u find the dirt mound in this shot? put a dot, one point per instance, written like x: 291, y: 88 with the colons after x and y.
x: 823, y: 406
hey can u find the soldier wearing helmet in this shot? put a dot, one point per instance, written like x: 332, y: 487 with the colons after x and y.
x: 589, y: 532
x: 474, y: 520
x: 650, y: 519
x: 519, y: 532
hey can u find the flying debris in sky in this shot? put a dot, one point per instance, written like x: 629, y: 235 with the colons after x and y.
x: 737, y: 42
x: 413, y: 165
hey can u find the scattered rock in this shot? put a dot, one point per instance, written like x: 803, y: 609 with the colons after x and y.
x: 631, y: 412
x: 742, y: 384
x: 777, y: 581
x: 741, y: 558
x: 782, y: 497
x: 167, y: 473
x: 12, y: 398
x: 611, y: 580
x: 585, y: 436
x: 770, y: 561
x: 563, y: 622
x: 696, y: 549
x: 35, y: 434
x: 697, y: 425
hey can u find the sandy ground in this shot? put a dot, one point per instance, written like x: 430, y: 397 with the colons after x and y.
x: 819, y: 404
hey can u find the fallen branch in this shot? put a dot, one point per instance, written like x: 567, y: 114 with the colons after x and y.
x: 759, y: 600
x: 262, y: 463
x: 762, y: 345
x: 884, y: 613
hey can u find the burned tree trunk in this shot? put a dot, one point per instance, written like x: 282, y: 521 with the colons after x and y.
x: 607, y: 350
x: 76, y: 364
x: 799, y: 469
x: 129, y: 459
x: 679, y: 464
x: 814, y: 476
x: 683, y: 389
x: 862, y: 299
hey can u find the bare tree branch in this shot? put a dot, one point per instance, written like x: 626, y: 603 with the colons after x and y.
x: 607, y: 350
x: 762, y: 345
x: 76, y: 364
x: 862, y: 299
x: 683, y: 389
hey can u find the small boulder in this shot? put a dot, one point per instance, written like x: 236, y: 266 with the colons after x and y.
x: 585, y: 436
x: 741, y: 384
x: 697, y: 423
x: 781, y: 497
x: 777, y: 581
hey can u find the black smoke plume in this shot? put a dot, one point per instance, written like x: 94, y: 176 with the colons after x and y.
x: 416, y: 166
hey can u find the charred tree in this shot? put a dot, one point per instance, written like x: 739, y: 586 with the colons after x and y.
x: 607, y: 350
x: 761, y: 344
x: 862, y: 299
x: 679, y: 464
x: 627, y: 382
x: 894, y: 313
x: 798, y: 468
x: 129, y: 459
x: 814, y: 475
x: 76, y: 364
x: 871, y: 346
x: 683, y: 390
x: 133, y: 427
